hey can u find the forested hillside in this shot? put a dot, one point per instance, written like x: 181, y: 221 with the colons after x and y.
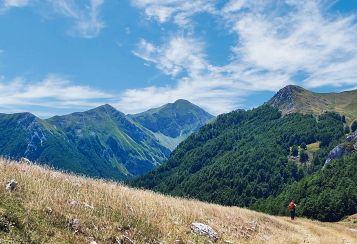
x: 328, y: 195
x: 243, y: 156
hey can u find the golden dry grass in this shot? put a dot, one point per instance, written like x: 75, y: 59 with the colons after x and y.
x: 143, y: 216
x: 313, y: 147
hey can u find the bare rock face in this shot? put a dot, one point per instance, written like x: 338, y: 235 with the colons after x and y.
x: 285, y: 98
x: 11, y: 185
x: 335, y: 153
x: 204, y: 230
x: 343, y: 149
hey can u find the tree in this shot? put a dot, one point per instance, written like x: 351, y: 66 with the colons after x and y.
x: 294, y: 151
x: 347, y: 129
x: 303, y: 146
x: 343, y: 118
x: 303, y: 156
x: 354, y: 126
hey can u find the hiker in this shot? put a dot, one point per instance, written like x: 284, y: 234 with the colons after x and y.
x: 292, y: 207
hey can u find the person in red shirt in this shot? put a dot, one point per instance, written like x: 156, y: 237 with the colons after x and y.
x: 292, y: 207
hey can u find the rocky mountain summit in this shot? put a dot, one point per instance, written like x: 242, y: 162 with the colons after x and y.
x: 291, y: 99
x: 286, y: 99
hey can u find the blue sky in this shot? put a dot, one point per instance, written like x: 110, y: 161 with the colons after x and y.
x: 61, y: 56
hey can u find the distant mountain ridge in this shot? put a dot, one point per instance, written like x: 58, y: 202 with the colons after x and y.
x: 101, y: 142
x: 173, y: 122
x: 293, y: 98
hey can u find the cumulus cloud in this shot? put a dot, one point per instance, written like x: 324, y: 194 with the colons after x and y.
x: 275, y: 43
x: 51, y: 92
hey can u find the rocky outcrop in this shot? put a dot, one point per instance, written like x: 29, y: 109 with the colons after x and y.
x: 204, y: 230
x: 336, y: 153
x: 343, y: 149
x: 11, y: 185
x: 284, y: 99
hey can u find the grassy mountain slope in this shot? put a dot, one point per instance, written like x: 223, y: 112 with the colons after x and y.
x: 45, y: 203
x: 297, y: 99
x: 243, y: 156
x: 173, y: 122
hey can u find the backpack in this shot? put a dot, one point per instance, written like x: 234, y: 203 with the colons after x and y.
x: 291, y: 206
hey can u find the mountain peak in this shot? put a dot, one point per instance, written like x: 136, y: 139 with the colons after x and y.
x: 174, y: 119
x: 290, y: 89
x: 106, y: 108
x: 286, y: 98
x: 183, y: 101
x: 294, y: 98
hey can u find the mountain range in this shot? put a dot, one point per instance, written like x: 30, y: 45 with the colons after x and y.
x: 289, y: 147
x: 101, y: 142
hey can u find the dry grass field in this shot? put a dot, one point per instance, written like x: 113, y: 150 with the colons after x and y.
x: 52, y: 207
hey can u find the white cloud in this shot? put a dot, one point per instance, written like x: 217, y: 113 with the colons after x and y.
x: 179, y: 54
x: 178, y: 11
x: 51, y: 92
x: 85, y: 14
x: 87, y: 22
x: 275, y: 43
x: 210, y: 95
x: 5, y: 5
x: 303, y: 39
x: 14, y: 3
x: 204, y: 84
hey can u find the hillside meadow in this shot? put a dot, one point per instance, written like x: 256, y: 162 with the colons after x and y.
x: 53, y: 207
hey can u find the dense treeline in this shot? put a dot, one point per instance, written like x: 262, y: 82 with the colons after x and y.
x: 328, y: 195
x: 242, y: 156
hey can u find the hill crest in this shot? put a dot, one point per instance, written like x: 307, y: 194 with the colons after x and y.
x: 292, y: 98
